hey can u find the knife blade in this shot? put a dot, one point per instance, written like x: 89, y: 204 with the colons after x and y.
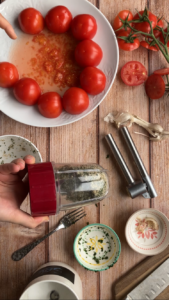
x: 153, y: 285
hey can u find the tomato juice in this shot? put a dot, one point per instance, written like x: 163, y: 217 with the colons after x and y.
x: 47, y: 58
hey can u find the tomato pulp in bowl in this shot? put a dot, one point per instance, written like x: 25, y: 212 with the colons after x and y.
x: 104, y: 37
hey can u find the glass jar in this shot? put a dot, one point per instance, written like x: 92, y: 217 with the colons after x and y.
x: 55, y: 187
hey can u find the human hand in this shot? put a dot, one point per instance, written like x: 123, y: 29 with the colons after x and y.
x: 4, y: 24
x: 13, y: 191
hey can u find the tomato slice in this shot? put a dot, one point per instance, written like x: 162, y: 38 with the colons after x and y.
x: 155, y: 86
x: 133, y: 73
x: 147, y: 46
x: 164, y: 71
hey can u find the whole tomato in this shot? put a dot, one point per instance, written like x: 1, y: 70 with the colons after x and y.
x: 159, y: 24
x: 50, y: 105
x: 130, y: 44
x: 147, y: 46
x: 58, y: 19
x: 84, y: 27
x: 145, y: 26
x: 8, y: 75
x: 75, y: 101
x: 88, y: 54
x: 155, y: 86
x: 124, y: 15
x: 92, y: 80
x: 31, y: 21
x: 27, y: 91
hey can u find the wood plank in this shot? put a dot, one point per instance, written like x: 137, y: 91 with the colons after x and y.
x: 14, y: 276
x: 76, y: 143
x: 116, y: 209
x: 159, y: 114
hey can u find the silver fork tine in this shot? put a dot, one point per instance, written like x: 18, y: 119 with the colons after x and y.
x: 73, y: 211
x: 79, y: 218
x: 77, y: 215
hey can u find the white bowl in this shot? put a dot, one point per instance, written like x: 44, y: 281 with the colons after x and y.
x: 15, y: 146
x: 97, y: 247
x: 105, y: 37
x: 149, y: 241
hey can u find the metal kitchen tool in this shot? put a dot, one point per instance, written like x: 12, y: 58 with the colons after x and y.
x: 67, y: 220
x: 144, y: 175
x: 135, y: 188
x: 153, y: 285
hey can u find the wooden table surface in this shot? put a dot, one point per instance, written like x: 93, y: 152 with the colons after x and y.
x: 83, y: 141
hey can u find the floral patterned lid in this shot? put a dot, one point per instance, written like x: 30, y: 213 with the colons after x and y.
x: 147, y: 231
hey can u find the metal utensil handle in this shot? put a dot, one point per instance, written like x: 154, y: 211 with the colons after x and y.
x: 19, y: 254
x: 138, y: 161
x: 119, y: 158
x: 133, y: 150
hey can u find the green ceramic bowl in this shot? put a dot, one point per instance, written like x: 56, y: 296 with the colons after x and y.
x: 97, y: 247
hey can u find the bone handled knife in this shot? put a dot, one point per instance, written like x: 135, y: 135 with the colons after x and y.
x: 153, y: 285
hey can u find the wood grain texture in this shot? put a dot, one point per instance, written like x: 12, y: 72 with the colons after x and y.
x: 118, y: 207
x: 84, y: 142
x: 159, y: 111
x: 128, y: 282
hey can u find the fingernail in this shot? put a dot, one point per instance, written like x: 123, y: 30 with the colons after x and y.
x: 45, y: 219
x: 30, y: 157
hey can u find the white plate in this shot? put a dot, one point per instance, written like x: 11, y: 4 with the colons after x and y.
x: 105, y: 37
x: 148, y: 241
x: 14, y: 146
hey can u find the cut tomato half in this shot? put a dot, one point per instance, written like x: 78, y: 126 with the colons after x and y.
x: 133, y: 73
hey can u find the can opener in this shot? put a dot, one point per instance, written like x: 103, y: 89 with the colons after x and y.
x: 134, y: 188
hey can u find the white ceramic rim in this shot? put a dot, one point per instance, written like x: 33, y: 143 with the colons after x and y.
x: 21, y: 137
x: 115, y: 72
x: 149, y: 252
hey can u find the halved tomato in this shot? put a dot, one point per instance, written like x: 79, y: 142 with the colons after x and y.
x: 133, y: 73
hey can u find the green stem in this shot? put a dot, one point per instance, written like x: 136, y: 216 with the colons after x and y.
x: 151, y: 35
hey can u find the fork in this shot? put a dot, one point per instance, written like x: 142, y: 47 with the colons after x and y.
x: 67, y: 220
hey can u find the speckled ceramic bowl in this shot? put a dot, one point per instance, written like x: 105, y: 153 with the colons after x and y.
x: 97, y: 247
x: 14, y: 146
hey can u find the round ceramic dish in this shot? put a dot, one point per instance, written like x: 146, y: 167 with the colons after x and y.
x: 147, y: 231
x: 97, y: 247
x: 14, y: 146
x: 105, y: 37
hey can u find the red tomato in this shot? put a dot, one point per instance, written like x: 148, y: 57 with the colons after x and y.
x: 164, y: 71
x: 75, y: 101
x: 162, y: 39
x: 84, y: 27
x: 155, y: 86
x: 126, y: 45
x: 147, y: 46
x: 159, y: 24
x: 88, y: 54
x: 27, y: 91
x: 133, y: 73
x: 92, y: 80
x: 144, y: 26
x: 58, y: 19
x: 50, y: 105
x: 124, y: 14
x: 8, y: 75
x: 31, y: 21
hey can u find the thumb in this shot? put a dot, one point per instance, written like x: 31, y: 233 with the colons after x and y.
x: 22, y: 218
